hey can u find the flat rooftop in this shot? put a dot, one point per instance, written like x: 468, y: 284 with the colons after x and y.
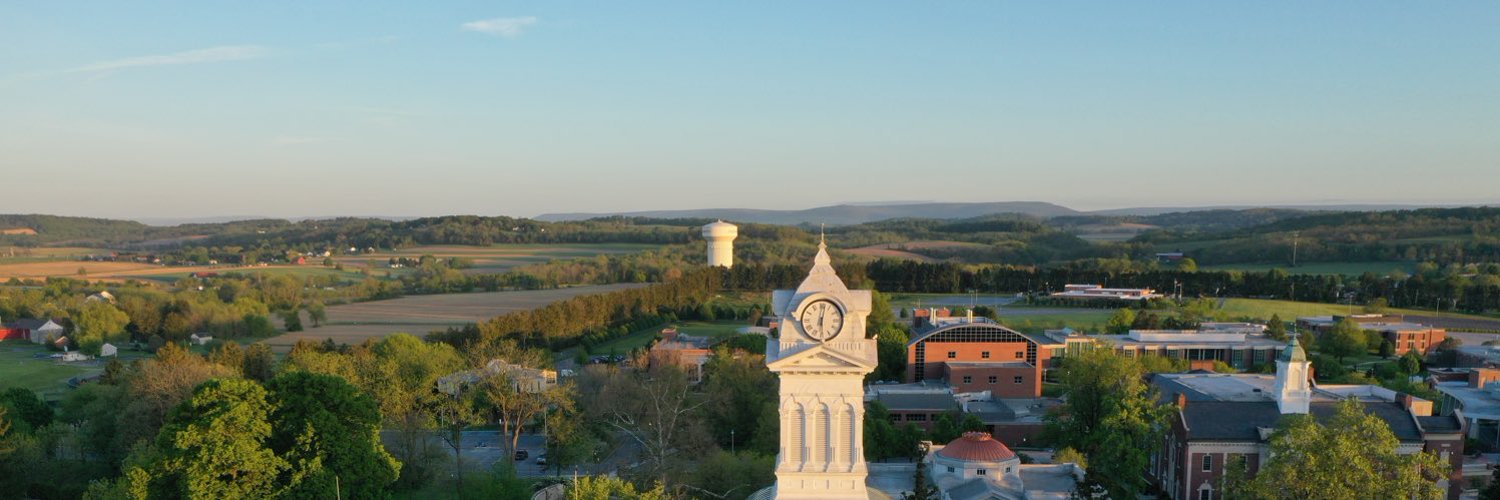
x: 1477, y: 403
x: 1243, y: 387
x: 1011, y: 410
x: 1192, y: 341
x: 908, y: 401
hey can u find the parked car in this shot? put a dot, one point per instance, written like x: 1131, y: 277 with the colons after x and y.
x: 541, y: 459
x: 522, y: 454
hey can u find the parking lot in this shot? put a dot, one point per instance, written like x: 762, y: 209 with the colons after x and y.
x: 481, y: 449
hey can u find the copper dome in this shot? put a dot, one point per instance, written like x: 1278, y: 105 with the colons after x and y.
x: 977, y: 446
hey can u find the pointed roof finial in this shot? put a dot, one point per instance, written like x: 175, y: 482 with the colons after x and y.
x: 822, y: 240
x: 1293, y: 350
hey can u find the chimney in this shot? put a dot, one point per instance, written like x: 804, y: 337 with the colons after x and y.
x: 1417, y: 406
x: 1181, y: 400
x: 969, y: 317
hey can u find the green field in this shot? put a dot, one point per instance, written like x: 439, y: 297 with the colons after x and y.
x: 48, y: 378
x: 1344, y: 268
x: 1091, y: 320
x: 494, y: 258
x: 1263, y: 309
x: 17, y: 255
x: 18, y: 368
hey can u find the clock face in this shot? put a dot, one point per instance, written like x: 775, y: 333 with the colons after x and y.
x: 822, y: 320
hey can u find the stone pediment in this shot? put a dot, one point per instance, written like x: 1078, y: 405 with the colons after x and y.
x: 820, y: 357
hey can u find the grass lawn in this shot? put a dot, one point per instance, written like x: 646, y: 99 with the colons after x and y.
x: 48, y: 378
x: 1344, y: 268
x: 1289, y: 310
x: 1090, y: 320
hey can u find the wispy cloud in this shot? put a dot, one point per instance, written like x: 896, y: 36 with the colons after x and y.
x: 199, y: 56
x: 505, y: 27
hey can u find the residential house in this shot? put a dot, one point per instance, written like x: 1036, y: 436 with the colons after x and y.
x: 38, y: 331
x: 522, y: 378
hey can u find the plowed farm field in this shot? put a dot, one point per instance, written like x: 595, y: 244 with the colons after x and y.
x: 417, y: 315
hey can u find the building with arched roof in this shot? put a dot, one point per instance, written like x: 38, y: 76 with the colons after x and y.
x: 977, y: 354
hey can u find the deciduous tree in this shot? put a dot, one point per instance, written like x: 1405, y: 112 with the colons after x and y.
x: 1276, y: 328
x: 96, y: 323
x: 214, y: 445
x: 322, y: 419
x: 26, y: 407
x: 1110, y: 416
x: 1345, y: 339
x: 655, y: 408
x: 1352, y: 455
x: 1119, y: 323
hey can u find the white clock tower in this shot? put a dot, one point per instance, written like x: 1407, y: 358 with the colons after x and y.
x: 821, y: 356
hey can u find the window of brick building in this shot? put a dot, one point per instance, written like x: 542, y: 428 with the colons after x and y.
x: 1020, y: 355
x: 968, y: 379
x: 952, y: 354
x: 985, y: 355
x: 994, y: 379
x: 1020, y: 379
x: 1208, y: 463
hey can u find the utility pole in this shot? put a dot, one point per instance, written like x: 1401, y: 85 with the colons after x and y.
x: 1294, y: 248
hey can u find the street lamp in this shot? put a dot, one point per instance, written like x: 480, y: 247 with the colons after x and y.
x: 731, y: 441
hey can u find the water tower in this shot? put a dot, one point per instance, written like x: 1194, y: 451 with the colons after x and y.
x: 720, y: 236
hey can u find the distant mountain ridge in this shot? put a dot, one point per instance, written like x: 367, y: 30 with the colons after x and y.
x: 841, y: 214
x: 862, y: 213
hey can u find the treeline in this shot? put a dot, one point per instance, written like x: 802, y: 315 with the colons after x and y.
x: 232, y: 305
x: 1442, y: 235
x: 272, y: 236
x: 235, y: 423
x: 1447, y: 288
x: 50, y: 228
x: 562, y: 324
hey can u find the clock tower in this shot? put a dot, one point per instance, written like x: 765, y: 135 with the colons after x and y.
x: 821, y: 357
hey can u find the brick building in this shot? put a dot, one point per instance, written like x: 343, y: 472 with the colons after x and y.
x: 1403, y: 335
x: 686, y: 351
x: 1223, y: 418
x: 977, y: 354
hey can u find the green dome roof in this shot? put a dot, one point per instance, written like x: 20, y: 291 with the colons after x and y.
x: 1293, y: 351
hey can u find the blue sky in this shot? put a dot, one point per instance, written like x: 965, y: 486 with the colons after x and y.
x: 152, y: 109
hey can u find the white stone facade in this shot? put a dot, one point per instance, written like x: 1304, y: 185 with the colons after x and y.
x: 821, y: 356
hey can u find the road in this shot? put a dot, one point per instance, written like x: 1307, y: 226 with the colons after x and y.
x: 482, y: 449
x: 1474, y: 338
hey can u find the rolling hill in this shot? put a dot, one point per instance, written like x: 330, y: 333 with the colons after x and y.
x: 841, y: 214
